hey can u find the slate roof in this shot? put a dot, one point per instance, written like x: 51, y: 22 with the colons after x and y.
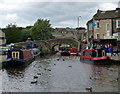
x: 112, y: 14
x: 90, y: 21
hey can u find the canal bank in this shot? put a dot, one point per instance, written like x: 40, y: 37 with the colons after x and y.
x: 2, y: 58
x: 57, y: 73
x: 115, y: 58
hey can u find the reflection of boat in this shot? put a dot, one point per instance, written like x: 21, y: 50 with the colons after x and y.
x: 65, y: 52
x: 95, y: 57
x: 73, y: 51
x: 18, y: 57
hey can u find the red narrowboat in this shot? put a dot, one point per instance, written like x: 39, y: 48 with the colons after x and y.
x: 74, y: 51
x: 95, y: 57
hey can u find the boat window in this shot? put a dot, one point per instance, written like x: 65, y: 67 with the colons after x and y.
x: 87, y: 53
x: 15, y: 54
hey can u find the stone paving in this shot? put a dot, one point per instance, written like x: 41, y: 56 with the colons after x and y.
x: 116, y: 57
x: 2, y: 58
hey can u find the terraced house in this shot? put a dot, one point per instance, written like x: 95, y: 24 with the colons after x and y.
x: 104, y: 25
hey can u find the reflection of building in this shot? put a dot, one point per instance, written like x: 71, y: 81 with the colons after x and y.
x: 104, y: 25
x: 2, y: 38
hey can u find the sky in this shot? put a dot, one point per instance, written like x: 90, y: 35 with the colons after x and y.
x: 60, y: 13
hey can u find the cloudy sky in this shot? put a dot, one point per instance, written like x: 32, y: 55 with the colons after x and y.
x: 60, y: 13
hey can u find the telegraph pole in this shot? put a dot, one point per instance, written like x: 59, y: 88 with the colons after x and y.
x: 78, y: 36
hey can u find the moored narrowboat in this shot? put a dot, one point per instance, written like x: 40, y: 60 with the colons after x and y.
x: 73, y: 51
x: 65, y: 52
x: 97, y: 56
x: 20, y: 57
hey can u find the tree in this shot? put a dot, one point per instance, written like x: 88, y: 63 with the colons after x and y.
x: 42, y: 30
x: 25, y: 33
x: 16, y: 34
x: 13, y: 34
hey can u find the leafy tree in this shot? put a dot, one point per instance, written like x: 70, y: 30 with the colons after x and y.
x: 42, y: 30
x: 13, y: 34
x: 25, y: 33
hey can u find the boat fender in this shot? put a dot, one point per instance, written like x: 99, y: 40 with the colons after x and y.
x: 103, y: 53
x: 96, y: 53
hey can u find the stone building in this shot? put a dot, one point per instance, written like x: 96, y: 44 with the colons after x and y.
x: 2, y: 38
x: 104, y: 25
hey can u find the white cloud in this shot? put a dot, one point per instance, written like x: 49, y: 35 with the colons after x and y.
x: 9, y: 17
x: 62, y: 14
x: 69, y: 23
x: 8, y: 7
x: 107, y: 6
x: 19, y: 1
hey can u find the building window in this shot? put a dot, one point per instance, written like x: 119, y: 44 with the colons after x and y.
x: 118, y: 23
x: 98, y: 25
x: 90, y: 26
x: 108, y: 27
x: 15, y: 54
x: 97, y: 36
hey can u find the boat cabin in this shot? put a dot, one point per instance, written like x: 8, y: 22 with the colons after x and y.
x: 94, y: 53
x: 15, y: 53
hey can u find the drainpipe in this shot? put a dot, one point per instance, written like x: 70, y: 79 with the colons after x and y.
x: 112, y: 26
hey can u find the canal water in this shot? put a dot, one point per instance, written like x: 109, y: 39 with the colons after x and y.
x: 60, y: 74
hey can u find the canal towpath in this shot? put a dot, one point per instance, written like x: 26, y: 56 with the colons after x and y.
x: 114, y: 57
x: 2, y: 58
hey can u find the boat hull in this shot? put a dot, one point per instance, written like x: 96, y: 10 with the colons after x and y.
x: 97, y: 60
x: 16, y: 62
x: 74, y: 54
x: 18, y: 58
x: 65, y: 54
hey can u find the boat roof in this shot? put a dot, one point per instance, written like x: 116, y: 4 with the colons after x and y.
x: 87, y: 50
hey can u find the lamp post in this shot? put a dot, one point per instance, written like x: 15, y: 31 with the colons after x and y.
x: 78, y: 20
x: 78, y: 34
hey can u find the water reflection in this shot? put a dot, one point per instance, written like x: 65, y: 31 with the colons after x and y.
x: 60, y: 74
x: 16, y: 73
x: 104, y: 78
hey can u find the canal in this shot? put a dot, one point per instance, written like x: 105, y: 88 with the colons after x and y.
x: 60, y: 74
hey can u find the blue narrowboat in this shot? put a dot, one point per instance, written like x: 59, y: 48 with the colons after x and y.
x: 20, y: 57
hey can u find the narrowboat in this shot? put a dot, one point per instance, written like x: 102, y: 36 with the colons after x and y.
x: 97, y: 56
x: 65, y: 52
x: 20, y: 57
x: 73, y: 51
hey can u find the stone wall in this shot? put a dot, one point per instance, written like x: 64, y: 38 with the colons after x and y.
x: 102, y: 28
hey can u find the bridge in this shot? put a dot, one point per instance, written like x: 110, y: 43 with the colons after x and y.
x: 50, y: 44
